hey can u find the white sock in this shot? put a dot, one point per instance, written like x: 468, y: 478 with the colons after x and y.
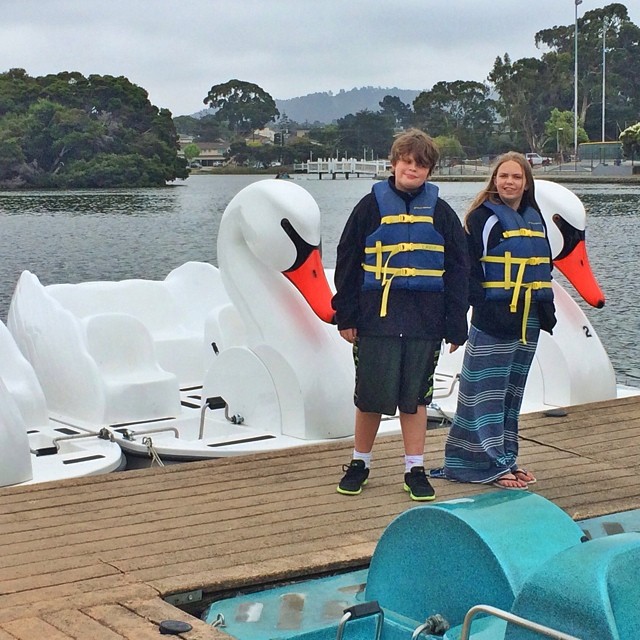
x: 412, y: 461
x: 366, y: 457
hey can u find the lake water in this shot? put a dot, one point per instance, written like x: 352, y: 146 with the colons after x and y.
x: 74, y: 236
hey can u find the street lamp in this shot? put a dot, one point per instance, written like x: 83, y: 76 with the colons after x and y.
x: 604, y: 65
x: 575, y: 84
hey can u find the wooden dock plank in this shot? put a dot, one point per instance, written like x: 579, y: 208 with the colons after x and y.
x: 93, y: 557
x: 30, y: 628
x: 79, y: 625
x: 124, y: 621
x: 157, y: 610
x: 90, y: 592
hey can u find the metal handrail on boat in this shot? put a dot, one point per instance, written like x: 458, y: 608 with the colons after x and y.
x: 437, y: 395
x: 130, y: 434
x: 512, y: 618
x: 103, y: 434
x: 215, y: 403
x: 449, y: 391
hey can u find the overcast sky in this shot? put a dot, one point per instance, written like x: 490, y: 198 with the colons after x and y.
x: 178, y: 49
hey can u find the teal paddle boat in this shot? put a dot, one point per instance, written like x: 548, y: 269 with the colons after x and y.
x: 498, y: 566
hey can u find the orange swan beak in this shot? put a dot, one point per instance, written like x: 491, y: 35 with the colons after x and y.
x: 576, y: 268
x: 310, y: 280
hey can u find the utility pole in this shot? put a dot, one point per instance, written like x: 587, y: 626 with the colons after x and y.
x: 575, y: 85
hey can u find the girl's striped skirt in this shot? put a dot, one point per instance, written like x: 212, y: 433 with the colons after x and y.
x: 482, y: 444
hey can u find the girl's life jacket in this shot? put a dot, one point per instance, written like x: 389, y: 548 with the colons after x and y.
x: 519, y: 267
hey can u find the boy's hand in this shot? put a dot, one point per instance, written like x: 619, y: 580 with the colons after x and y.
x: 349, y: 335
x: 453, y: 347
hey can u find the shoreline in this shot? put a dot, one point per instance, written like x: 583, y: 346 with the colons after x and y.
x: 552, y: 177
x: 471, y: 175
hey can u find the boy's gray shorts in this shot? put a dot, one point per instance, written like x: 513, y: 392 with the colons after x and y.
x: 394, y: 372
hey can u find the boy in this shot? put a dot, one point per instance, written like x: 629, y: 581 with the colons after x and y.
x: 401, y: 288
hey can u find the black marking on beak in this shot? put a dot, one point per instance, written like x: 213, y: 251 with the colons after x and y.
x: 570, y: 236
x: 303, y: 248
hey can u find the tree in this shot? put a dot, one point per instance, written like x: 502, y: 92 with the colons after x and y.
x: 301, y: 150
x: 365, y: 130
x: 524, y: 101
x: 529, y: 88
x: 622, y: 40
x: 559, y: 129
x: 400, y: 112
x: 243, y: 105
x: 450, y: 150
x: 17, y: 91
x: 206, y: 129
x: 191, y: 151
x: 328, y: 139
x: 630, y: 139
x: 65, y: 130
x: 459, y: 109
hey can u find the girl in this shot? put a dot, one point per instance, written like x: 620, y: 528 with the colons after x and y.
x: 510, y: 292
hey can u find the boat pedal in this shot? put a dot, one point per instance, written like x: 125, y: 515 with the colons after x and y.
x: 45, y: 451
x: 66, y: 431
x: 215, y: 402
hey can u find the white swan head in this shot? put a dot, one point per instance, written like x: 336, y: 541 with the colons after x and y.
x: 279, y: 222
x: 566, y: 219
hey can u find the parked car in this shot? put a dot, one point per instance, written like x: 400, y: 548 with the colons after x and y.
x: 535, y: 160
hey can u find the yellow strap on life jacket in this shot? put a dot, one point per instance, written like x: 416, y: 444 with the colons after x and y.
x: 391, y: 272
x: 527, y: 304
x: 517, y: 285
x: 405, y: 217
x: 380, y: 249
x: 529, y: 233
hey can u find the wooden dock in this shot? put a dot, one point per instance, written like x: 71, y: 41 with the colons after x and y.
x: 95, y: 558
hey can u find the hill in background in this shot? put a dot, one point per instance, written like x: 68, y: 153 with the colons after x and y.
x: 326, y: 107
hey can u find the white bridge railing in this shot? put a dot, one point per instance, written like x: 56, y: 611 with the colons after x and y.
x: 346, y: 166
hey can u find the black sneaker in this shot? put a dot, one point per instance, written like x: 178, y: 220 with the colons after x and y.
x: 354, y: 479
x: 416, y: 483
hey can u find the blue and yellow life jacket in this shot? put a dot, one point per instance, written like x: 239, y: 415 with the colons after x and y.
x: 519, y: 267
x: 405, y: 251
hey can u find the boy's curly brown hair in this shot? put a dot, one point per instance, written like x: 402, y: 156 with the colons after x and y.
x: 417, y: 144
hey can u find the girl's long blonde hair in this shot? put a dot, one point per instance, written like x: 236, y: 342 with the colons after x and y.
x: 490, y: 192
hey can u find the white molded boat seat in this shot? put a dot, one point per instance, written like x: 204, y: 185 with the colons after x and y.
x: 178, y: 347
x: 197, y: 288
x: 21, y: 382
x: 135, y: 386
x: 15, y: 458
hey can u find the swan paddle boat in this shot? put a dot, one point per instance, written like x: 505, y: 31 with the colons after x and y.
x: 34, y: 448
x: 497, y: 566
x: 570, y: 367
x: 214, y: 362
